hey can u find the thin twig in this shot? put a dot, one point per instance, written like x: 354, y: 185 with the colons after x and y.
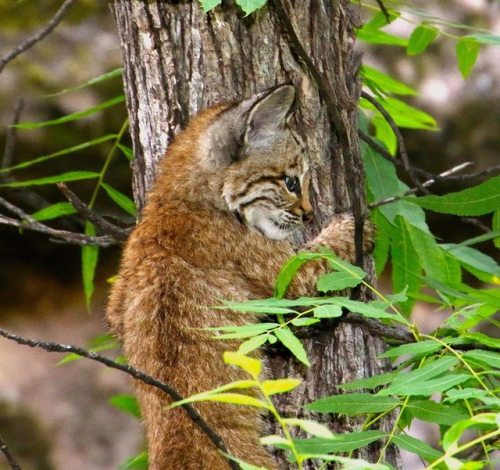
x: 430, y: 182
x: 102, y: 224
x: 401, y: 143
x: 10, y: 138
x: 477, y: 223
x: 384, y: 10
x: 30, y: 42
x: 8, y: 455
x: 27, y: 222
x: 136, y: 374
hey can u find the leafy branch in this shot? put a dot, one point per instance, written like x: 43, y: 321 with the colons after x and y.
x: 136, y: 374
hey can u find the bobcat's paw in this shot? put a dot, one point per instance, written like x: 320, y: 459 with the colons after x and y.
x: 339, y: 236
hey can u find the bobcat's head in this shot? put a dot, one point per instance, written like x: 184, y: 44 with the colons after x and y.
x: 265, y: 179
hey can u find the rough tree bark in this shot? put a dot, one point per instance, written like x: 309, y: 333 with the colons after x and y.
x: 178, y: 60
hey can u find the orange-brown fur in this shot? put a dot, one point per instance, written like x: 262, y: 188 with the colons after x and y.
x: 186, y: 254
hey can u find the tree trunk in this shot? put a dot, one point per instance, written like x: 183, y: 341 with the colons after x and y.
x: 178, y: 60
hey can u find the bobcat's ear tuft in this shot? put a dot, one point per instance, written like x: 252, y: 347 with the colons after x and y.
x: 268, y: 116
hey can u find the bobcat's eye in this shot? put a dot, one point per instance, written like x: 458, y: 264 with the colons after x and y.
x: 292, y: 184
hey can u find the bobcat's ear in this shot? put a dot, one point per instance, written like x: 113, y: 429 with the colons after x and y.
x: 268, y: 116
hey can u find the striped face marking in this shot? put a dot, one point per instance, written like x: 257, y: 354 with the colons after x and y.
x: 274, y: 197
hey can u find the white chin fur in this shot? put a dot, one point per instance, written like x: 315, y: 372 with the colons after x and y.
x: 262, y: 220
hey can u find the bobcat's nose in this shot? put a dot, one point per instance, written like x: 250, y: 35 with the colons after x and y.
x: 307, y: 216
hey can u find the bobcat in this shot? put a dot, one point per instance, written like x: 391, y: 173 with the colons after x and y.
x: 232, y: 188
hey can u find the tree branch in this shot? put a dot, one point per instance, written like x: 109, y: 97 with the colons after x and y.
x: 401, y: 143
x: 27, y: 222
x: 8, y: 455
x: 384, y: 10
x: 441, y: 177
x: 136, y: 374
x: 102, y: 224
x: 30, y: 42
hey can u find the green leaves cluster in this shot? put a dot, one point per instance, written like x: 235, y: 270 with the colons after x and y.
x: 89, y: 254
x: 248, y: 6
x: 467, y: 47
x: 447, y: 378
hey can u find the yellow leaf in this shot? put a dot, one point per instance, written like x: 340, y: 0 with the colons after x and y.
x: 252, y: 366
x: 237, y: 399
x: 271, y: 387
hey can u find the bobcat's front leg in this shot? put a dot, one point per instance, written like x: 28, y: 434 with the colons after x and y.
x: 338, y: 235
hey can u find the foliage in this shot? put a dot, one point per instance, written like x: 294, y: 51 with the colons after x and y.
x: 448, y: 377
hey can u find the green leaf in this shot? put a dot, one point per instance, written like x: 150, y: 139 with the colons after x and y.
x: 353, y: 404
x: 62, y: 178
x: 416, y: 446
x: 126, y: 403
x: 452, y: 436
x: 455, y: 394
x: 473, y: 258
x: 60, y: 153
x: 249, y: 6
x: 372, y: 36
x: 478, y: 200
x: 311, y: 427
x: 432, y: 257
x: 123, y: 201
x: 405, y: 264
x: 275, y: 440
x: 381, y: 19
x: 369, y: 382
x: 93, y: 81
x: 243, y: 465
x: 54, y: 211
x: 496, y: 227
x: 385, y: 82
x: 370, y: 310
x: 467, y: 50
x: 291, y: 342
x: 433, y: 412
x: 255, y: 307
x: 488, y: 357
x: 137, y: 462
x: 382, y: 241
x: 252, y: 344
x: 384, y: 133
x: 235, y: 399
x: 337, y: 281
x: 73, y: 116
x: 342, y: 442
x: 127, y: 151
x: 483, y: 339
x: 422, y: 347
x: 248, y: 364
x: 403, y: 114
x: 405, y: 381
x: 304, y: 321
x: 208, y: 5
x: 289, y: 270
x: 272, y: 387
x: 90, y: 256
x: 327, y: 311
x: 420, y: 39
x: 427, y: 387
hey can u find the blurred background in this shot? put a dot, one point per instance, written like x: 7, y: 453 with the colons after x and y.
x: 58, y: 417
